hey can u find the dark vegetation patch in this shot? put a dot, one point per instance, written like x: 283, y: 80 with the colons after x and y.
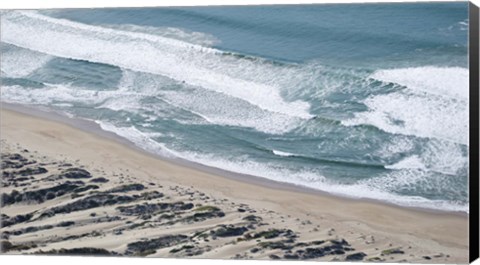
x: 202, y: 213
x: 9, y: 221
x: 184, y: 247
x: 207, y: 208
x: 198, y: 217
x: 273, y: 233
x: 229, y: 231
x: 147, y: 247
x: 14, y: 161
x: 310, y: 250
x: 6, y: 246
x: 79, y: 251
x: 270, y: 234
x: 41, y: 195
x: 153, y: 208
x: 392, y: 251
x: 151, y: 195
x: 32, y: 229
x: 29, y: 171
x: 73, y: 237
x: 93, y: 201
x: 282, y: 244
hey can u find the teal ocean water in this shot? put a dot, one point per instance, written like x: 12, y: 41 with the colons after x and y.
x: 358, y: 100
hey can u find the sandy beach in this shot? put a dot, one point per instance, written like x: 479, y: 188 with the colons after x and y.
x: 69, y: 191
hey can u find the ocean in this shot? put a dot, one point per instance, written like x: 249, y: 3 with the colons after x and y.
x: 357, y: 100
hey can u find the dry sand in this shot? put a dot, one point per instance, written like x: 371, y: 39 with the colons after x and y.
x: 294, y: 222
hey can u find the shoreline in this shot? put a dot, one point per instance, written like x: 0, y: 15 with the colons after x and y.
x: 417, y: 232
x: 89, y: 126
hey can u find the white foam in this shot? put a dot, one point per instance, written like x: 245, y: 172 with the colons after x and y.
x: 141, y: 139
x: 419, y: 182
x: 205, y: 105
x: 463, y: 25
x: 438, y: 156
x: 395, y: 146
x: 413, y: 162
x: 432, y: 105
x: 17, y: 62
x: 445, y: 157
x: 219, y: 109
x: 193, y: 37
x: 61, y: 94
x: 196, y: 65
x: 444, y: 81
x: 280, y: 153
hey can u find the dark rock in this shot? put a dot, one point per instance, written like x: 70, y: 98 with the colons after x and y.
x: 76, y: 173
x: 274, y: 257
x: 85, y: 188
x: 340, y: 242
x: 228, y: 231
x: 356, y: 256
x: 254, y: 250
x: 275, y: 245
x: 318, y: 242
x: 99, y: 180
x: 22, y: 179
x: 65, y: 224
x: 252, y: 218
x: 287, y: 256
x: 128, y: 187
x: 184, y: 247
x: 50, y: 196
x: 149, y: 195
x: 269, y: 234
